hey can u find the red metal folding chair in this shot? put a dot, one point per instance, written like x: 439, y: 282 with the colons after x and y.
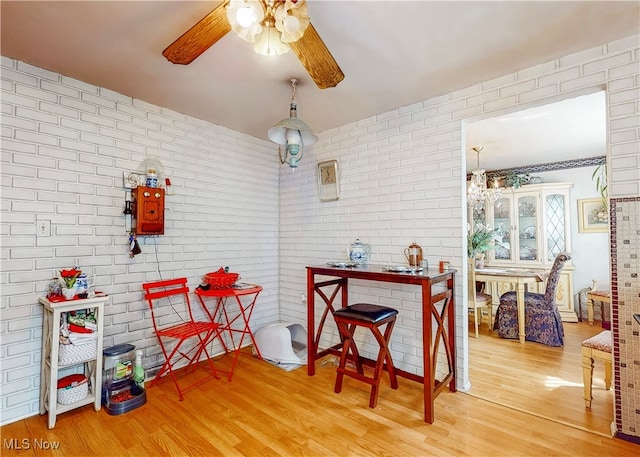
x: 199, y: 332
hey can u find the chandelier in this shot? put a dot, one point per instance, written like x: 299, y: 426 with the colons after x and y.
x: 293, y: 133
x: 478, y: 194
x: 270, y: 24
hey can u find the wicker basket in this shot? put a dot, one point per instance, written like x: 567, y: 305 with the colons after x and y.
x: 76, y: 388
x: 220, y: 279
x: 69, y: 354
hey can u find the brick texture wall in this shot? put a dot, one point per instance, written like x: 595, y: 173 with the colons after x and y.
x: 402, y: 180
x: 66, y: 143
x: 65, y: 146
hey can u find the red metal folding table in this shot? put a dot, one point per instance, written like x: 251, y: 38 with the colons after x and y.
x: 233, y: 323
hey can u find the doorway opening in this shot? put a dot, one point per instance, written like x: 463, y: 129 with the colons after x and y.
x: 561, y: 141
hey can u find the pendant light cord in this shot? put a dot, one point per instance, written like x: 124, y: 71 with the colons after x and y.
x: 478, y: 149
x: 293, y: 90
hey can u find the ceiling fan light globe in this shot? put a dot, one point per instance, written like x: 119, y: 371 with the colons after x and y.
x: 245, y: 17
x: 251, y: 33
x: 291, y: 24
x: 291, y: 20
x: 268, y: 43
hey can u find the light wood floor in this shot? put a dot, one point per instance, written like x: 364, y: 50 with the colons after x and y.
x: 266, y: 411
x: 539, y: 379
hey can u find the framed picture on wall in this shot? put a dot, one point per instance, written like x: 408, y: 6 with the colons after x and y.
x: 328, y: 180
x: 593, y: 217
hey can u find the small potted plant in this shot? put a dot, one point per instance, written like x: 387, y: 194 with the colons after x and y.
x: 69, y: 280
x: 516, y: 181
x: 600, y: 177
x: 480, y: 240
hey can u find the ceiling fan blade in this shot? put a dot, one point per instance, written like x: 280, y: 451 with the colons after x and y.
x: 317, y: 59
x: 200, y: 37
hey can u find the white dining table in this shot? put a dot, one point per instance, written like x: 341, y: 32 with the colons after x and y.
x: 520, y: 278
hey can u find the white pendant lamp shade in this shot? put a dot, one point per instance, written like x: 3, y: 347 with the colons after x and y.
x: 278, y: 133
x: 293, y: 133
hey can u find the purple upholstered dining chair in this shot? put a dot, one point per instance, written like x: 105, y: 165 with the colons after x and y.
x: 542, y: 320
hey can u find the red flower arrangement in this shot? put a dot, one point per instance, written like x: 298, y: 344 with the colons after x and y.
x: 69, y: 277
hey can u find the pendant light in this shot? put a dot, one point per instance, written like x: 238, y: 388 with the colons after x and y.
x: 293, y: 133
x: 478, y: 194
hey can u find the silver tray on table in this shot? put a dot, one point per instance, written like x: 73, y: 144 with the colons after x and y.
x: 343, y: 264
x: 402, y: 268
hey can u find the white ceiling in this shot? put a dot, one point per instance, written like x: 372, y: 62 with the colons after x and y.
x: 574, y: 128
x: 392, y: 54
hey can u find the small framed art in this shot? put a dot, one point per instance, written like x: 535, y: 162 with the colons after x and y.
x: 592, y: 216
x: 328, y: 180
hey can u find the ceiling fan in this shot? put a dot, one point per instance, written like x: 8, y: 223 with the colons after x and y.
x: 284, y: 21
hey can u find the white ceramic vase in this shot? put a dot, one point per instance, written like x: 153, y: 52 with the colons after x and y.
x: 69, y: 293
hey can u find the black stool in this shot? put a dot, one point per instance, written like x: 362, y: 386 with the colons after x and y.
x: 371, y: 317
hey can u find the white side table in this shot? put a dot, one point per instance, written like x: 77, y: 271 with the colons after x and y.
x: 50, y: 351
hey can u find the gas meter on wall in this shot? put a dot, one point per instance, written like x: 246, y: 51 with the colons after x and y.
x: 147, y: 211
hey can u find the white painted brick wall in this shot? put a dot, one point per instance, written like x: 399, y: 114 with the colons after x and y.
x: 396, y: 192
x: 65, y: 145
x: 401, y: 177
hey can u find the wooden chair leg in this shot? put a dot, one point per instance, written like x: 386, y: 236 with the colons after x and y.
x: 390, y: 366
x: 347, y: 332
x: 346, y: 343
x: 340, y: 373
x: 383, y: 355
x: 475, y: 319
x: 587, y: 376
x: 607, y: 374
x: 348, y: 346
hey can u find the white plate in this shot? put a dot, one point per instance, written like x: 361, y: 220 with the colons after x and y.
x: 527, y: 253
x: 502, y: 253
x: 529, y: 232
x: 402, y: 268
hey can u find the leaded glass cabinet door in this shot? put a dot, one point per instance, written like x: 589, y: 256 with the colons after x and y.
x: 502, y: 220
x: 528, y: 228
x: 556, y: 228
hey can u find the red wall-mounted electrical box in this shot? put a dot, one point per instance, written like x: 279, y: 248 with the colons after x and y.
x: 147, y: 205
